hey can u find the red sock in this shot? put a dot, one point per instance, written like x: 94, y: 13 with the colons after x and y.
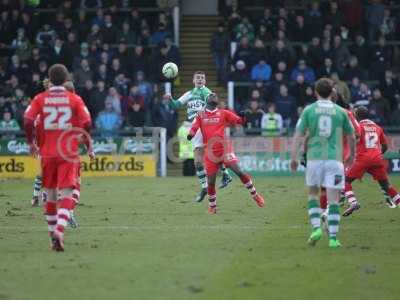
x: 394, y: 195
x: 212, y: 195
x: 349, y: 194
x: 246, y: 180
x: 63, y: 213
x: 51, y: 215
x: 323, y: 200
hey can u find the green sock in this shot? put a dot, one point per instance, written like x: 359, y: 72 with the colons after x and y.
x: 314, y: 212
x: 333, y: 220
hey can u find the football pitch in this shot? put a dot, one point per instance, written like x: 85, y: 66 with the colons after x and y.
x: 144, y: 238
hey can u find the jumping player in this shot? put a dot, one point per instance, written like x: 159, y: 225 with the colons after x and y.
x: 212, y: 123
x: 326, y: 123
x: 64, y: 116
x: 369, y: 159
x: 195, y: 101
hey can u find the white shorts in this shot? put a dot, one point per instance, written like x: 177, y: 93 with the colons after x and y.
x: 197, y: 140
x: 325, y: 173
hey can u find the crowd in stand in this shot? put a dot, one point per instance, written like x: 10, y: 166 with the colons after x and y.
x: 282, y: 52
x: 107, y: 48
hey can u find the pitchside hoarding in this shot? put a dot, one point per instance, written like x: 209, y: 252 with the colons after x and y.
x: 114, y: 157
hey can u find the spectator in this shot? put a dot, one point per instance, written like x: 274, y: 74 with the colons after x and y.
x: 341, y: 87
x: 135, y: 20
x: 299, y: 90
x: 354, y: 70
x: 72, y: 46
x: 43, y: 68
x: 327, y: 69
x: 388, y: 26
x: 126, y: 34
x: 327, y: 51
x: 8, y: 126
x: 354, y: 87
x: 173, y: 53
x: 122, y: 84
x: 145, y: 89
x: 102, y: 74
x: 254, y: 114
x: 261, y: 71
x: 361, y: 50
x: 21, y: 45
x: 160, y: 58
x: 95, y: 35
x: 381, y: 58
x: 109, y: 31
x: 240, y: 74
x: 379, y: 108
x: 45, y: 36
x: 314, y: 19
x: 87, y: 93
x: 307, y: 72
x: 285, y: 106
x: 363, y: 97
x: 244, y: 52
x: 390, y: 89
x: 109, y: 121
x: 267, y: 20
x: 164, y: 116
x: 375, y: 13
x: 280, y: 53
x: 341, y: 54
x: 282, y: 68
x: 315, y: 53
x: 116, y: 68
x: 394, y: 116
x: 159, y: 35
x: 83, y: 74
x: 98, y: 98
x: 34, y: 59
x: 300, y: 30
x: 140, y: 61
x: 264, y: 35
x: 35, y: 85
x: 271, y: 122
x: 136, y: 108
x: 276, y: 83
x: 244, y: 28
x: 59, y: 53
x: 115, y: 99
x: 219, y: 46
x: 84, y: 54
x: 334, y: 16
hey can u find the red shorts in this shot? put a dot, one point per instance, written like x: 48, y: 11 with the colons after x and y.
x: 58, y: 173
x: 213, y: 164
x: 377, y: 168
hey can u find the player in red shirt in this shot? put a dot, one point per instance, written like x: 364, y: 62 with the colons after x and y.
x: 218, y: 150
x: 64, y: 118
x: 369, y: 159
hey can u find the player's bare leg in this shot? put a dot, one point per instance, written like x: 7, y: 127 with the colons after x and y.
x: 200, y: 172
x: 351, y: 198
x: 314, y: 213
x: 50, y: 211
x: 247, y: 181
x: 226, y: 178
x: 333, y: 216
x: 212, y: 195
x: 37, y: 187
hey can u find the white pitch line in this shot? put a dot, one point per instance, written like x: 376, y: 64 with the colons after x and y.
x: 139, y: 227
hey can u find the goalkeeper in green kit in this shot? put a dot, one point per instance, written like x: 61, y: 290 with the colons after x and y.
x: 195, y: 101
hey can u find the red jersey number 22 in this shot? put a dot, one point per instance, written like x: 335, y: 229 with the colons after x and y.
x: 371, y: 140
x: 57, y: 117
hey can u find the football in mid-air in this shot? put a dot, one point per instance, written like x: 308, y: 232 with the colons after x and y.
x: 170, y: 70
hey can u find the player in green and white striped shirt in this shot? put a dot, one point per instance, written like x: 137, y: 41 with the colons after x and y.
x: 325, y: 123
x: 195, y: 101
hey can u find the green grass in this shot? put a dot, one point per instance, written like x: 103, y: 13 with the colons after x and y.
x: 145, y: 239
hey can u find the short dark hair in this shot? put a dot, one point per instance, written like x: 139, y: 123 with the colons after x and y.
x: 324, y: 87
x: 199, y: 73
x: 58, y: 74
x: 361, y: 113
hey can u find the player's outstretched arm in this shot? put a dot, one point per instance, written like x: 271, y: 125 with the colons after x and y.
x: 176, y: 104
x: 194, y: 128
